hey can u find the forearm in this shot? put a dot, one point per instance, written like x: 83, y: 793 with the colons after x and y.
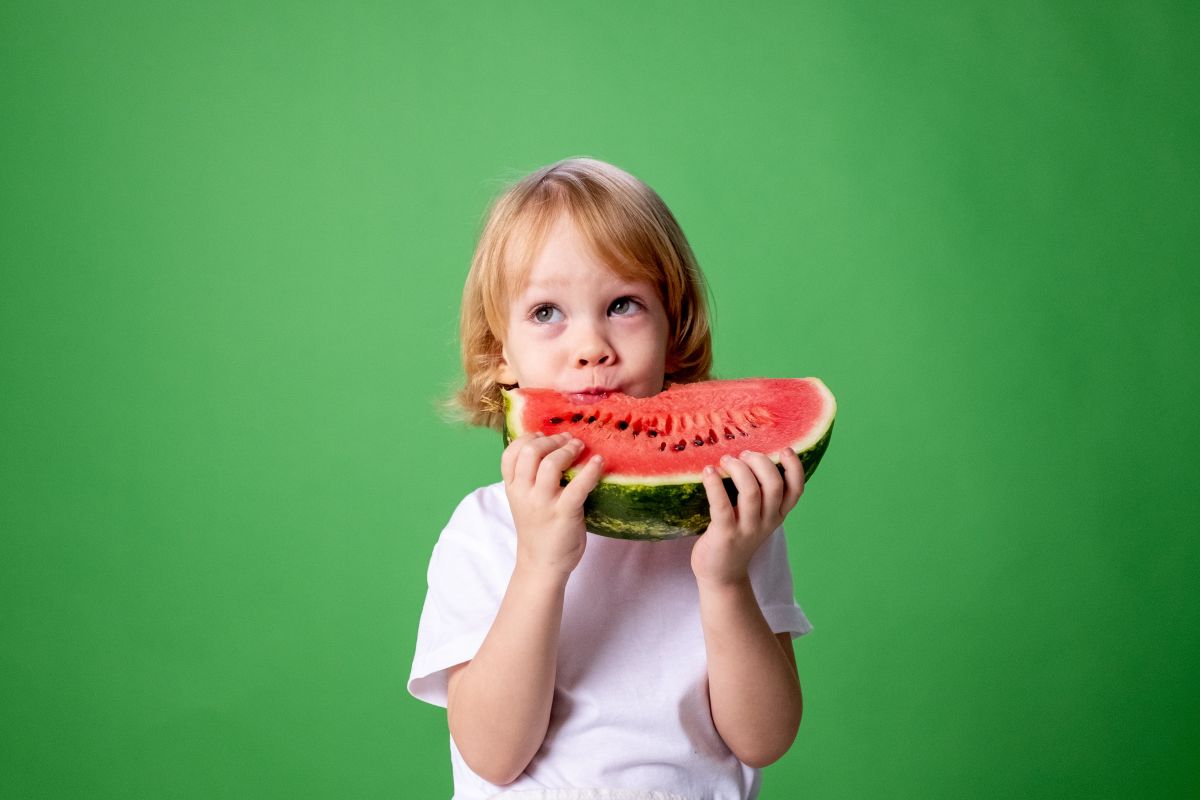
x: 499, y: 703
x: 753, y: 688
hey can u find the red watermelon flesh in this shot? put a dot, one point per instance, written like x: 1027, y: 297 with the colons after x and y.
x: 672, y: 436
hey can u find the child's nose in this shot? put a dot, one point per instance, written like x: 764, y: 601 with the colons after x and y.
x: 593, y: 349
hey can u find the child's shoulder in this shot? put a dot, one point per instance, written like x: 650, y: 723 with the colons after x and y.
x: 481, y: 521
x: 487, y: 503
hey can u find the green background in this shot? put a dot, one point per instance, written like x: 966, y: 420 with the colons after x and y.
x: 233, y: 239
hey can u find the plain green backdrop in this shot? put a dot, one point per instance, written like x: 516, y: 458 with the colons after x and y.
x: 233, y: 237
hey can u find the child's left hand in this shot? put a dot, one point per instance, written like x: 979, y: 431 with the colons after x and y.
x: 722, y: 555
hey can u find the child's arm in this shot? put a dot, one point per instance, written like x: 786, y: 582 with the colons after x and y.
x: 753, y: 687
x: 498, y: 703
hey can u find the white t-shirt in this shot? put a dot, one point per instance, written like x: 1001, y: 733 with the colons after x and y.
x: 630, y: 708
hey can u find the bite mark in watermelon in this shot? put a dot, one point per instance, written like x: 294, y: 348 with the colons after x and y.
x: 655, y: 448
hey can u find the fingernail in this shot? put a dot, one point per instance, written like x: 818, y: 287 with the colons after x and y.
x: 709, y: 470
x: 725, y: 459
x: 597, y: 459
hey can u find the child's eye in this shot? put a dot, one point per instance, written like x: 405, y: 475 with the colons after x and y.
x: 624, y: 306
x: 545, y: 314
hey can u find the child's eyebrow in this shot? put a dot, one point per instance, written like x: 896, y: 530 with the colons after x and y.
x: 624, y: 284
x: 551, y: 283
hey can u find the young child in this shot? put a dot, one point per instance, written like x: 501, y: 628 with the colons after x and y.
x: 573, y: 665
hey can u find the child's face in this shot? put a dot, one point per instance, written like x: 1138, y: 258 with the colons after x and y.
x: 578, y: 327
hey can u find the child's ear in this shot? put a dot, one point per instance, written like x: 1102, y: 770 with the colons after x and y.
x: 504, y: 373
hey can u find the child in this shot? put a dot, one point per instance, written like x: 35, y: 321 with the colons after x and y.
x: 574, y: 665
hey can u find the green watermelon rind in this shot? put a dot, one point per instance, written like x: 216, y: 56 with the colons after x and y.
x: 661, y: 511
x: 666, y: 511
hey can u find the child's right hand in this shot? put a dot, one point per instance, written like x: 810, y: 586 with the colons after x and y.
x: 549, y: 517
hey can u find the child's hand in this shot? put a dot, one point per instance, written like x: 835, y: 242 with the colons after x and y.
x: 722, y: 555
x: 548, y: 516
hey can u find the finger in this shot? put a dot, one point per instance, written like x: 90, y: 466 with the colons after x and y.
x: 720, y: 509
x: 749, y: 499
x: 793, y: 475
x: 556, y: 462
x: 770, y: 482
x: 531, y: 457
x: 508, y: 461
x: 584, y: 481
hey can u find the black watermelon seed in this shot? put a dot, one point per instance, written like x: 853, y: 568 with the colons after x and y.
x: 681, y: 445
x: 662, y: 446
x: 712, y: 437
x: 576, y: 417
x: 698, y: 442
x: 555, y: 420
x: 729, y: 435
x: 652, y: 433
x: 591, y: 420
x: 622, y: 425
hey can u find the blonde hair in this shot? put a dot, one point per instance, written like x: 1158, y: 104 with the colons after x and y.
x: 629, y: 228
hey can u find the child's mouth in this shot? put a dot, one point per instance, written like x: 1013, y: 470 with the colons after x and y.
x: 590, y: 395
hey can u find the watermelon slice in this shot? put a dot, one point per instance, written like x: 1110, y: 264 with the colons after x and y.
x: 655, y: 448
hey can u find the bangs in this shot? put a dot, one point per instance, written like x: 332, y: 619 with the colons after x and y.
x: 628, y: 247
x: 618, y: 231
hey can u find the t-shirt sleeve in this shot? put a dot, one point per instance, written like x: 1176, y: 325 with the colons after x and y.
x: 468, y: 574
x: 771, y: 577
